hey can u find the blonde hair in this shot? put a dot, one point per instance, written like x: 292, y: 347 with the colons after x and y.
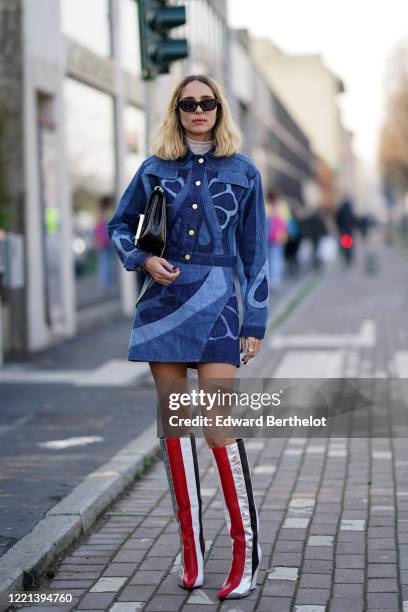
x: 168, y: 139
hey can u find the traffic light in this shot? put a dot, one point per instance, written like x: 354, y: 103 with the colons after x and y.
x: 157, y: 49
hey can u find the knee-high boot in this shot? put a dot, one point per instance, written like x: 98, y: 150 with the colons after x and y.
x: 180, y: 460
x: 242, y: 519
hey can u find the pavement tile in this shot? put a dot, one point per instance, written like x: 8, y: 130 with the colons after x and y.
x: 313, y: 566
x: 128, y: 606
x: 378, y: 570
x: 108, y: 584
x: 347, y: 604
x: 283, y: 573
x: 288, y: 546
x: 120, y: 569
x: 129, y: 556
x: 315, y: 581
x: 320, y: 540
x: 342, y: 589
x: 138, y: 593
x: 97, y: 601
x: 200, y: 597
x: 318, y: 552
x: 274, y: 604
x: 309, y: 608
x: 279, y: 588
x: 157, y: 563
x: 382, y: 585
x: 169, y: 603
x: 404, y: 577
x: 295, y: 523
x: 292, y: 559
x: 383, y: 601
x: 312, y: 596
x: 349, y: 576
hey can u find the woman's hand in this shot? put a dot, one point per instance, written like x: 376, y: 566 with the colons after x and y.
x: 161, y: 270
x: 250, y: 346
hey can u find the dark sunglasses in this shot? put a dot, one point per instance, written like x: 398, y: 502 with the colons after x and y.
x: 189, y: 106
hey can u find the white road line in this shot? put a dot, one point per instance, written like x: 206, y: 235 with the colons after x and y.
x: 112, y: 373
x: 365, y: 338
x: 401, y: 364
x: 310, y: 364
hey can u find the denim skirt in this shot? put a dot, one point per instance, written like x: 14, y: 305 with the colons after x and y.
x: 192, y: 320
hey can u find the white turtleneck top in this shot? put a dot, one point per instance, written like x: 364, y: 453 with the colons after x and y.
x: 199, y: 147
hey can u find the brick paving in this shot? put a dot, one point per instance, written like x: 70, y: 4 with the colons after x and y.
x: 333, y: 513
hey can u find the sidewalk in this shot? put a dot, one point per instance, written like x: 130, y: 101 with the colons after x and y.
x: 74, y: 406
x: 333, y: 513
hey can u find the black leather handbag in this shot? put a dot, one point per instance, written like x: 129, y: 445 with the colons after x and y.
x: 151, y: 232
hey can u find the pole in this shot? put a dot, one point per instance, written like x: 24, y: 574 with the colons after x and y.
x: 148, y: 114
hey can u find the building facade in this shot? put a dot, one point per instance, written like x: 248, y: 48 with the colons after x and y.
x: 305, y: 78
x: 78, y: 132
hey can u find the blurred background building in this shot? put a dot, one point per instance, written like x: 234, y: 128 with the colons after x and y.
x: 73, y: 131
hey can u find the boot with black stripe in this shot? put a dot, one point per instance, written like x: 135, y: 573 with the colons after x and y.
x: 242, y: 519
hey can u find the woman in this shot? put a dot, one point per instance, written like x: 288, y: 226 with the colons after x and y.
x: 189, y: 316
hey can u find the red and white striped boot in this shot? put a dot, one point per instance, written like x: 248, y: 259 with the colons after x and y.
x: 242, y: 519
x: 180, y: 460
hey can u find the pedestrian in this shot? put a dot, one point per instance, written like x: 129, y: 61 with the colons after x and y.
x: 346, y: 221
x: 313, y: 226
x: 293, y: 242
x: 103, y: 243
x: 188, y: 317
x: 278, y: 218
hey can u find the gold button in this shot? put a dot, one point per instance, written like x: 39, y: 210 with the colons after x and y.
x: 187, y: 256
x: 194, y: 206
x: 191, y: 232
x: 198, y: 183
x: 201, y: 160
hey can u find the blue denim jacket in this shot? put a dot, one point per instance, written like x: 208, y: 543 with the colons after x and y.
x: 215, y: 216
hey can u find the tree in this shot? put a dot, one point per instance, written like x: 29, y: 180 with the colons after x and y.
x: 393, y: 144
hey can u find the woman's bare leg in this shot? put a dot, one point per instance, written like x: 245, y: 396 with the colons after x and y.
x: 164, y: 374
x: 217, y: 370
x: 168, y: 370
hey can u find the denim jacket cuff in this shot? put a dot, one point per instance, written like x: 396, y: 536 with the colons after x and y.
x: 254, y: 332
x: 136, y: 259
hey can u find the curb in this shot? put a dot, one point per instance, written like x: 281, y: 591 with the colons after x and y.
x: 78, y: 511
x: 74, y: 515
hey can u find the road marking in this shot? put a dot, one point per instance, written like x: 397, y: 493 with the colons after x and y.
x: 365, y: 338
x: 68, y: 442
x: 112, y: 373
x: 401, y: 364
x: 310, y: 364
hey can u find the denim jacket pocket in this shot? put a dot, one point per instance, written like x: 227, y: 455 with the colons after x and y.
x: 227, y: 191
x: 167, y: 178
x: 235, y: 178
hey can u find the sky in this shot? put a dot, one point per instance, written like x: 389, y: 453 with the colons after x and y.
x: 355, y: 39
